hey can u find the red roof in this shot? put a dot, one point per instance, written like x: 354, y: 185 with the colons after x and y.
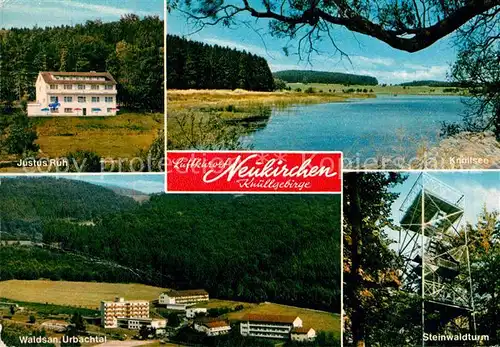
x: 48, y: 77
x: 216, y: 324
x: 274, y: 318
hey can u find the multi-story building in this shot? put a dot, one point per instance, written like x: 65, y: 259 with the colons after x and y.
x: 74, y: 94
x: 303, y: 334
x: 121, y: 308
x: 192, y: 312
x: 214, y: 327
x: 180, y: 299
x: 137, y: 323
x: 269, y: 326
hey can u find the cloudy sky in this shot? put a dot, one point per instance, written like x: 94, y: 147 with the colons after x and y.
x: 368, y: 56
x: 28, y: 13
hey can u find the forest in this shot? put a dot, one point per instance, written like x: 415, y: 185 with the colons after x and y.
x: 130, y: 49
x: 197, y: 65
x: 28, y: 202
x: 279, y: 248
x: 380, y: 309
x: 430, y: 83
x: 310, y: 76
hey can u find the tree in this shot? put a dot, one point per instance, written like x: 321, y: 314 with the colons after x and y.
x: 405, y: 25
x: 370, y: 266
x: 12, y: 309
x: 32, y: 319
x: 78, y: 322
x: 146, y: 332
x: 173, y: 320
x: 21, y: 136
x: 478, y: 69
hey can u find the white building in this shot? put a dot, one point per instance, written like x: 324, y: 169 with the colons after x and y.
x: 269, y: 326
x: 303, y: 334
x: 192, y: 312
x: 55, y: 325
x: 213, y: 327
x: 74, y: 94
x: 181, y: 299
x: 111, y: 311
x: 137, y: 323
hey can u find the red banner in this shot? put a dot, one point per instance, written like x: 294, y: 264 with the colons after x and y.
x: 254, y: 172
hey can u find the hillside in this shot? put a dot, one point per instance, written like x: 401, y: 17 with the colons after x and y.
x: 429, y: 83
x: 251, y: 248
x: 197, y: 65
x: 254, y: 248
x: 27, y: 203
x: 311, y: 76
x: 81, y: 294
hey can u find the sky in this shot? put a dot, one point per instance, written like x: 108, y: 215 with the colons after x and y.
x: 479, y: 188
x: 30, y: 13
x: 368, y: 56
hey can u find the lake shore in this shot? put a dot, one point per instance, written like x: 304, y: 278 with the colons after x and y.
x: 215, y: 119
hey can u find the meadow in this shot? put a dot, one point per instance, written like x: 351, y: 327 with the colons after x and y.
x: 120, y: 136
x: 76, y: 294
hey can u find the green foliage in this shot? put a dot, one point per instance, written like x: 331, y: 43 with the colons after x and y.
x: 78, y: 322
x: 130, y: 49
x: 279, y: 84
x: 173, y: 320
x: 192, y: 64
x: 47, y: 310
x: 28, y: 203
x: 21, y: 136
x: 12, y: 332
x: 450, y: 129
x: 429, y: 83
x: 146, y: 333
x: 299, y: 76
x: 310, y: 90
x: 84, y: 161
x: 32, y: 319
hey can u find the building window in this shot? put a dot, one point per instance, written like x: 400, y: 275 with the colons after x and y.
x: 95, y: 99
x: 53, y: 99
x: 68, y: 110
x: 109, y: 110
x: 53, y: 86
x: 82, y: 99
x: 108, y: 87
x: 108, y: 99
x: 94, y: 87
x: 68, y: 99
x: 81, y: 86
x: 68, y: 86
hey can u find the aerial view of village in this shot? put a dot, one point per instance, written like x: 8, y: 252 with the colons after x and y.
x: 111, y: 260
x: 391, y: 84
x: 82, y: 86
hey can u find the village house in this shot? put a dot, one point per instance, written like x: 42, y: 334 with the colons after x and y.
x: 192, y: 312
x: 181, y: 299
x: 303, y: 334
x: 137, y: 323
x: 74, y: 94
x: 214, y: 327
x: 111, y: 311
x: 269, y: 326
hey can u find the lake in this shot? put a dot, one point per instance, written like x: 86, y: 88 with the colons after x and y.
x: 362, y: 128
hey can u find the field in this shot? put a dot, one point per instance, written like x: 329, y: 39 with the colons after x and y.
x: 80, y: 294
x: 215, y: 119
x: 318, y: 320
x: 379, y: 89
x: 115, y: 137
